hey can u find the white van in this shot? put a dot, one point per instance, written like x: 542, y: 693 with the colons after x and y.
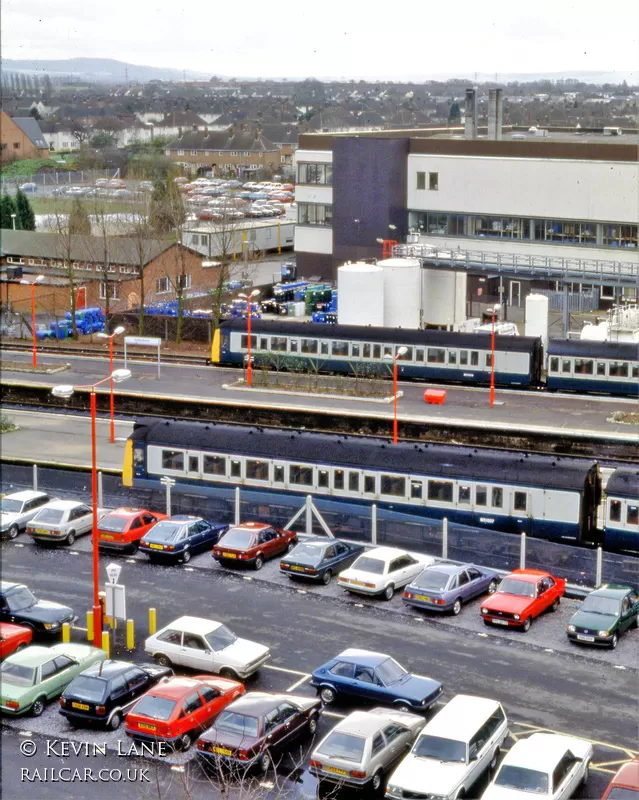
x: 452, y: 751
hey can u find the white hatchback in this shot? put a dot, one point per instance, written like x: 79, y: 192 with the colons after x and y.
x: 18, y: 508
x: 61, y: 521
x: 382, y: 570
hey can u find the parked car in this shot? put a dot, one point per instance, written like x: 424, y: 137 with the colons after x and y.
x: 444, y: 587
x: 13, y: 638
x: 204, y: 644
x: 522, y: 596
x: 255, y: 727
x: 28, y: 187
x: 625, y: 783
x: 18, y: 605
x: 58, y: 191
x: 374, y: 677
x: 61, y: 521
x: 604, y: 615
x: 37, y: 674
x: 453, y: 751
x: 176, y: 711
x: 116, y: 183
x: 547, y: 764
x: 319, y: 559
x: 18, y: 508
x: 122, y: 529
x: 253, y: 543
x: 179, y: 536
x: 382, y: 570
x: 102, y: 694
x: 364, y: 746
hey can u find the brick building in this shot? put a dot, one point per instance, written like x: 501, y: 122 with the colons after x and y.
x: 236, y: 151
x: 21, y: 137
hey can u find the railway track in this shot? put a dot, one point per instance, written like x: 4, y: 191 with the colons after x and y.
x: 102, y: 352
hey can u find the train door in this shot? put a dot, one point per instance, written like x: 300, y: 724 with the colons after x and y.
x: 193, y: 464
x: 521, y: 509
x: 590, y: 500
x: 515, y: 294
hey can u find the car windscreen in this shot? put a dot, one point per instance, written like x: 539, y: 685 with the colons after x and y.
x: 237, y: 539
x: 609, y: 606
x: 11, y: 506
x: 52, y: 516
x: 17, y: 674
x: 367, y: 564
x: 232, y: 722
x: 622, y: 793
x: 20, y: 599
x: 343, y: 745
x: 518, y: 588
x: 154, y: 707
x: 309, y: 553
x: 220, y: 638
x: 431, y: 579
x: 439, y: 748
x: 166, y: 531
x: 113, y: 523
x: 389, y: 672
x: 522, y: 779
x: 92, y: 689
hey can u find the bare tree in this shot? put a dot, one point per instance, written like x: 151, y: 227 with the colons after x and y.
x: 102, y: 222
x: 81, y: 131
x: 58, y: 223
x: 142, y: 235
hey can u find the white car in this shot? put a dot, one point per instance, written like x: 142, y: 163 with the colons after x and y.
x: 61, y: 521
x: 18, y: 508
x: 382, y: 570
x: 547, y: 765
x: 206, y: 646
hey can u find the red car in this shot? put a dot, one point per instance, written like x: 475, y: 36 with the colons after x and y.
x: 253, y: 543
x: 13, y: 637
x: 522, y: 596
x: 122, y: 529
x: 179, y: 709
x: 625, y: 784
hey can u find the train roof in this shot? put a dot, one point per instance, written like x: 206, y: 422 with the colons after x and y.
x: 624, y: 483
x: 625, y: 351
x: 369, y: 333
x: 362, y: 452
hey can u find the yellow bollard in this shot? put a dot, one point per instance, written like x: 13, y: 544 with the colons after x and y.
x: 130, y: 635
x: 89, y: 626
x: 106, y: 643
x: 66, y: 632
x: 153, y: 625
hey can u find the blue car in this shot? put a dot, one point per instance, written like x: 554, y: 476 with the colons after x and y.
x: 376, y: 678
x: 445, y: 587
x: 178, y: 537
x: 319, y: 559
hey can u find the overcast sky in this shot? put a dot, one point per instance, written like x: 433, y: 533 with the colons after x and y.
x: 341, y: 38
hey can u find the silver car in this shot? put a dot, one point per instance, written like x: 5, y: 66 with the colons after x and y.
x: 364, y: 747
x: 61, y: 521
x: 18, y: 508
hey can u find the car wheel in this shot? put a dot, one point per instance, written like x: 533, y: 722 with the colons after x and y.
x: 555, y: 604
x: 326, y: 577
x: 327, y: 695
x: 134, y: 548
x: 13, y: 531
x: 614, y: 641
x: 184, y: 742
x: 388, y: 592
x: 162, y: 660
x: 492, y: 586
x: 312, y: 725
x: 526, y: 625
x: 457, y: 606
x: 376, y: 781
x: 186, y: 556
x: 114, y: 722
x: 403, y: 708
x: 70, y: 538
x: 38, y: 707
x: 586, y: 775
x: 461, y: 794
x: 291, y: 545
x: 227, y: 672
x: 21, y: 646
x: 493, y: 761
x: 258, y: 563
x: 487, y: 623
x: 264, y: 762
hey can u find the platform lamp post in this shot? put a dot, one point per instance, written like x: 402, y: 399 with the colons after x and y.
x: 32, y: 284
x: 66, y: 390
x: 492, y: 358
x: 401, y: 351
x: 248, y: 298
x: 110, y: 336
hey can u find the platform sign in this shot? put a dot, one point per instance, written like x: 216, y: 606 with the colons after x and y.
x: 143, y: 341
x: 115, y: 600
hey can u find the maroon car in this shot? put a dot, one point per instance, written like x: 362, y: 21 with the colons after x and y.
x: 253, y: 543
x: 255, y: 728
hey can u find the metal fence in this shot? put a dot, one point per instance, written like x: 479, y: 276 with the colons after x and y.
x: 578, y: 302
x: 62, y: 177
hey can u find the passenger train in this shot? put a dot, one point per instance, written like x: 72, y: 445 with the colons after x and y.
x: 544, y: 496
x: 465, y: 358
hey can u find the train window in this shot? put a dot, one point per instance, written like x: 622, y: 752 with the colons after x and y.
x: 554, y: 364
x: 324, y: 348
x: 583, y: 366
x: 300, y: 475
x: 309, y: 346
x: 520, y: 501
x: 338, y: 479
x: 322, y: 478
x: 172, y: 459
x: 615, y: 510
x: 464, y: 494
x: 416, y: 490
x: 377, y: 351
x: 407, y: 356
x: 436, y: 355
x: 278, y: 474
x: 194, y: 463
x: 214, y: 465
x: 369, y: 484
x: 489, y: 359
x: 441, y: 491
x: 353, y: 481
x: 355, y: 351
x: 244, y: 342
x: 632, y: 517
x: 340, y: 348
x: 474, y: 358
x: 452, y: 356
x: 463, y: 357
x: 366, y: 351
x: 635, y: 370
x: 256, y: 470
x: 419, y: 354
x: 236, y: 468
x: 481, y: 496
x: 497, y: 497
x: 263, y: 342
x: 138, y: 456
x: 388, y: 351
x: 278, y: 344
x: 566, y: 364
x: 601, y: 367
x: 393, y: 486
x: 293, y: 346
x: 617, y: 369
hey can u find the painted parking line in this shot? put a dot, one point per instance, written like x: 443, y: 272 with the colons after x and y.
x: 302, y: 680
x: 286, y: 670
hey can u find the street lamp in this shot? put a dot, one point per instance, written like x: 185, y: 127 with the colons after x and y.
x: 400, y: 352
x: 66, y: 390
x: 13, y: 221
x: 116, y: 332
x: 492, y: 358
x: 32, y: 284
x: 248, y: 298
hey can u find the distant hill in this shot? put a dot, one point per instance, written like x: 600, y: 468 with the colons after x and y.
x: 105, y: 70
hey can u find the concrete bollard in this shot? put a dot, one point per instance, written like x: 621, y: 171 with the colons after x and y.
x: 237, y: 505
x: 522, y: 551
x: 445, y: 538
x: 35, y: 477
x: 374, y: 524
x: 153, y: 625
x: 130, y: 634
x: 89, y: 626
x: 599, y: 573
x: 106, y: 643
x: 66, y: 632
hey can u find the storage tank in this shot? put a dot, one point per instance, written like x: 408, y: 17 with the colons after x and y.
x: 444, y: 297
x: 361, y: 294
x: 402, y: 292
x: 537, y: 318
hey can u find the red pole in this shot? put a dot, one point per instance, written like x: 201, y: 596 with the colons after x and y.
x: 111, y: 384
x: 395, y: 400
x: 97, y: 608
x: 492, y: 363
x: 249, y: 372
x: 33, y: 326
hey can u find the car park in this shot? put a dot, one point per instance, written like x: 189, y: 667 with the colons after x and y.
x: 522, y: 596
x: 625, y: 783
x: 122, y: 529
x: 28, y: 187
x: 604, y: 615
x: 374, y: 677
x: 453, y: 751
x: 253, y: 543
x: 545, y: 765
x: 205, y: 644
x: 61, y: 521
x: 383, y: 570
x: 319, y: 559
x: 176, y: 711
x: 178, y: 537
x: 19, y: 606
x: 255, y: 728
x: 102, y: 694
x: 13, y: 638
x: 362, y: 748
x: 31, y: 677
x: 17, y: 508
x: 446, y: 586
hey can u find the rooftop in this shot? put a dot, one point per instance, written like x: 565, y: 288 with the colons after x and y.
x: 462, y: 717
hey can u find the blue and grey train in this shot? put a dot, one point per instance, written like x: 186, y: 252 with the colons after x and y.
x: 622, y: 510
x: 441, y: 356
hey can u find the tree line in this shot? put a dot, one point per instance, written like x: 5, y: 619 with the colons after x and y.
x: 17, y: 213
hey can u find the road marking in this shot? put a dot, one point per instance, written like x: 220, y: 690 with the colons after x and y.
x: 618, y: 666
x: 188, y: 569
x: 78, y: 628
x: 247, y: 578
x: 483, y: 635
x: 131, y: 561
x: 74, y: 552
x: 301, y: 591
x: 333, y: 714
x: 548, y: 650
x: 266, y: 784
x: 302, y: 680
x: 419, y: 619
x: 177, y: 768
x: 17, y: 544
x: 25, y: 733
x: 536, y: 728
x: 284, y: 669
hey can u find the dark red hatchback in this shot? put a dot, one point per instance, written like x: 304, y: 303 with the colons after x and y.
x: 253, y: 543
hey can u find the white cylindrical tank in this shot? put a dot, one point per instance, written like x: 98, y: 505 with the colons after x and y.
x: 402, y: 292
x: 361, y: 294
x: 537, y: 318
x: 444, y: 297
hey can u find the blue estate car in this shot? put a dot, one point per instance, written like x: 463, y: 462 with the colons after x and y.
x: 377, y: 678
x: 319, y: 559
x: 445, y: 587
x: 178, y: 537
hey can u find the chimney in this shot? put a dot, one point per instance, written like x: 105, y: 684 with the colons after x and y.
x: 495, y: 114
x: 470, y: 127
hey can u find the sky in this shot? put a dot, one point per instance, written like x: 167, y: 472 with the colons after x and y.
x: 336, y: 38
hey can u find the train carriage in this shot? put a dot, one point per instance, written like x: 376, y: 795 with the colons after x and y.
x: 580, y: 365
x: 621, y: 528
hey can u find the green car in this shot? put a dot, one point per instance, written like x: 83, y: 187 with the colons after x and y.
x: 604, y: 615
x: 37, y: 674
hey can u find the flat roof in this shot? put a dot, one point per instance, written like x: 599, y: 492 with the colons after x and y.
x: 460, y: 718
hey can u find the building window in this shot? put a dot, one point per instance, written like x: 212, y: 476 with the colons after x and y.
x: 433, y: 181
x: 315, y: 173
x: 113, y: 288
x: 193, y: 152
x: 421, y: 180
x: 607, y: 293
x: 247, y: 152
x: 314, y: 214
x: 162, y: 286
x: 184, y: 281
x: 180, y: 152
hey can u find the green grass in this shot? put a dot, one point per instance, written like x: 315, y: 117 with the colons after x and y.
x: 62, y: 205
x: 6, y: 426
x: 29, y: 166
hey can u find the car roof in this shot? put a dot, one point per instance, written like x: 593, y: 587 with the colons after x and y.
x: 126, y: 512
x: 35, y: 654
x: 194, y: 625
x: 367, y: 658
x: 27, y: 494
x: 386, y: 553
x: 461, y: 717
x: 7, y: 586
x: 181, y: 518
x: 175, y: 688
x: 528, y: 575
x: 63, y: 505
x: 362, y: 723
x: 252, y: 526
x: 256, y: 704
x: 108, y: 669
x: 628, y: 775
x: 446, y: 566
x: 541, y: 751
x: 615, y: 590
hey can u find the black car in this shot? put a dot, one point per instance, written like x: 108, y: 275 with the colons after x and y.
x: 103, y: 693
x: 320, y: 559
x: 18, y: 605
x: 178, y: 537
